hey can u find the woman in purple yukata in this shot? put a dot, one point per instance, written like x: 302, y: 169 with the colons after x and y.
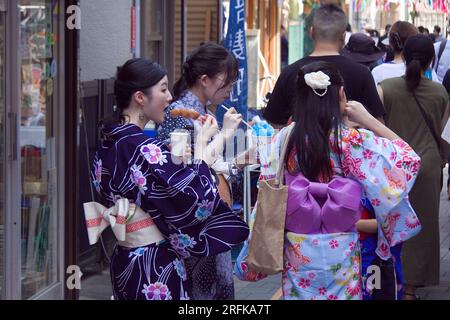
x: 330, y: 167
x: 181, y: 199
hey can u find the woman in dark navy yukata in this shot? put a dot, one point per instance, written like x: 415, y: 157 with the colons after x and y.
x: 182, y: 200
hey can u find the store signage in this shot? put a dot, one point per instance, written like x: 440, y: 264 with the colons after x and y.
x: 235, y: 42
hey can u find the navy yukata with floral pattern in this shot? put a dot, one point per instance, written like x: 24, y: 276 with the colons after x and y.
x: 183, y: 202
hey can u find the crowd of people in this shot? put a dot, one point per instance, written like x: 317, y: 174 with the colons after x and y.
x: 358, y: 143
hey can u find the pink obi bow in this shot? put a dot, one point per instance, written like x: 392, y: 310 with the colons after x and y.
x: 131, y: 225
x: 314, y: 207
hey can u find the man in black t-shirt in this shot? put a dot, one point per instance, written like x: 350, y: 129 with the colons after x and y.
x: 328, y: 33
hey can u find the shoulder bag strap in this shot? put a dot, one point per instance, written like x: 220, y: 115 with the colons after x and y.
x: 428, y: 122
x: 280, y: 173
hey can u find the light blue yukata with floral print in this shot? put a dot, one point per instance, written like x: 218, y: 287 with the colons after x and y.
x: 327, y: 266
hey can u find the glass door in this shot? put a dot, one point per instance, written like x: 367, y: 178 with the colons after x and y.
x: 2, y: 142
x: 39, y: 217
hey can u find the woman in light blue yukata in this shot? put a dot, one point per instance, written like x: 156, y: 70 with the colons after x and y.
x: 330, y: 165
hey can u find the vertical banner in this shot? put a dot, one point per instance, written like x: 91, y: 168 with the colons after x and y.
x: 235, y: 42
x: 133, y: 29
x: 137, y: 28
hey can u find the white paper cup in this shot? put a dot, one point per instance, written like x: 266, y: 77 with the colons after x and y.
x: 179, y: 142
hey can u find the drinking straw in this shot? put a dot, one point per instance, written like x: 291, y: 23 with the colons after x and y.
x: 244, y: 122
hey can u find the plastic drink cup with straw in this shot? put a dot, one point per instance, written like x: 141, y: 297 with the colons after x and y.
x: 179, y: 141
x: 262, y: 133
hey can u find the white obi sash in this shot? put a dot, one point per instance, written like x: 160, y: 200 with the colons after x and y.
x: 131, y: 225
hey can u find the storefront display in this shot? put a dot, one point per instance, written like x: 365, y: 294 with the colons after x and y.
x: 36, y: 50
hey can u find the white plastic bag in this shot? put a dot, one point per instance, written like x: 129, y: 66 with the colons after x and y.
x: 446, y: 133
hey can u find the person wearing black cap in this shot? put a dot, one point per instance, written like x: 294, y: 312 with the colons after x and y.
x: 416, y: 108
x: 362, y: 49
x: 328, y: 32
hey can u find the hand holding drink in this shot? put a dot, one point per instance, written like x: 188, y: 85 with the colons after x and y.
x: 180, y: 144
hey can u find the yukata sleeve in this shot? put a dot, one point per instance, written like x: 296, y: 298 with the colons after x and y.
x: 100, y: 177
x: 387, y: 171
x: 184, y: 203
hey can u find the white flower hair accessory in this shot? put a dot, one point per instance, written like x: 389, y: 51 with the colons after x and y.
x: 318, y: 80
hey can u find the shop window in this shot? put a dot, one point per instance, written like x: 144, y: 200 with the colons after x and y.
x: 157, y: 35
x: 38, y: 67
x: 154, y: 30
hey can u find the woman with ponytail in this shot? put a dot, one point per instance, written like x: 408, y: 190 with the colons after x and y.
x: 160, y: 209
x: 416, y: 108
x: 399, y: 33
x: 206, y: 81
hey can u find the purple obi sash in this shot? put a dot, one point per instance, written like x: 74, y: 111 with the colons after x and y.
x: 315, y: 207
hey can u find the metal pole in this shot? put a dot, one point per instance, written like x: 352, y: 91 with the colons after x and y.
x: 220, y: 35
x: 183, y: 31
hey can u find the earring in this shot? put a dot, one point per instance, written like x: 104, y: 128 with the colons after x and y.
x: 141, y: 116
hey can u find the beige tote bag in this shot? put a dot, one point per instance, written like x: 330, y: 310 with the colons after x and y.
x: 265, y: 253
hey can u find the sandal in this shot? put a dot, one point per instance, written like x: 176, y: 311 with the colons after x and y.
x: 415, y: 296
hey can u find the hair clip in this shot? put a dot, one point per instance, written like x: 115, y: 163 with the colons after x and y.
x: 321, y: 94
x: 318, y: 80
